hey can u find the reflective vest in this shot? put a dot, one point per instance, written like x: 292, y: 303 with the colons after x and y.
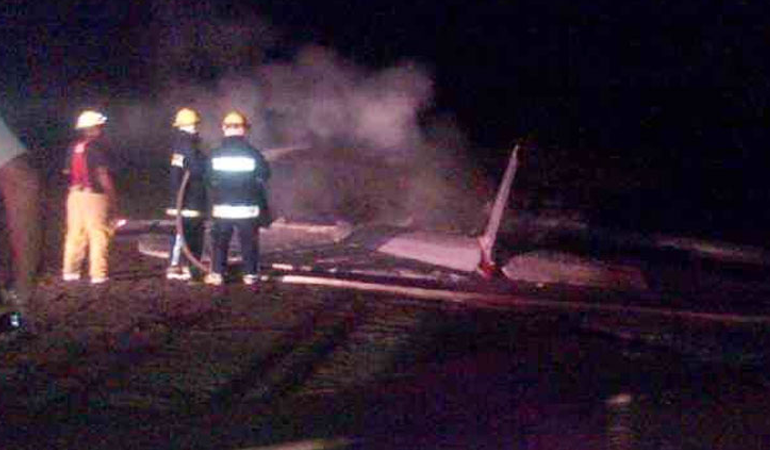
x: 83, y: 158
x: 238, y: 175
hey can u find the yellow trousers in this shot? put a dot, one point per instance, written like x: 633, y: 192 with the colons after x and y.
x: 87, y: 227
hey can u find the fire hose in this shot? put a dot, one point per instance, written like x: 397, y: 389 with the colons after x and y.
x: 180, y: 225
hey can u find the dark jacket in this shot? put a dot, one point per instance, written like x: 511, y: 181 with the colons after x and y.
x: 186, y: 155
x: 238, y: 175
x: 97, y: 155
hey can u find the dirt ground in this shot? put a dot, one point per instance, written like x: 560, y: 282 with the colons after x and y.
x: 141, y: 349
x: 141, y: 362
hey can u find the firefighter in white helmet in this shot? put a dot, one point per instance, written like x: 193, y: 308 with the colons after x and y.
x: 186, y: 155
x: 90, y: 202
x: 238, y: 175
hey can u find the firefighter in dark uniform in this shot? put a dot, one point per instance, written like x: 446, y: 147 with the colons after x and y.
x: 186, y: 155
x: 237, y: 178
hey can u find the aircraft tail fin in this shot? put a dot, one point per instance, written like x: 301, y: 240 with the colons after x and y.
x: 487, y: 267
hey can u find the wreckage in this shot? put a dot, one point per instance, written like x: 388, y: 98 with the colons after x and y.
x: 633, y: 286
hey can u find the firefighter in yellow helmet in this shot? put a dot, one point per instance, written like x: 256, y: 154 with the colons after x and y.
x: 186, y: 155
x: 90, y: 202
x: 237, y: 175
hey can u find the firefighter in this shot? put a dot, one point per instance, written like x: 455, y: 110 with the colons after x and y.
x: 90, y: 201
x: 237, y: 177
x: 19, y: 186
x: 186, y: 155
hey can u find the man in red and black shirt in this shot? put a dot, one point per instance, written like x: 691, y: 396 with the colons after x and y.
x: 90, y: 201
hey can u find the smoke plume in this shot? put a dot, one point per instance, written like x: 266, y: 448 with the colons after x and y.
x: 367, y: 155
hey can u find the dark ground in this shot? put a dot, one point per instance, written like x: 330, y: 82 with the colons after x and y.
x: 142, y: 363
x: 145, y: 363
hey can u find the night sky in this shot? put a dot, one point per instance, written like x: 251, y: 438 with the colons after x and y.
x: 670, y: 96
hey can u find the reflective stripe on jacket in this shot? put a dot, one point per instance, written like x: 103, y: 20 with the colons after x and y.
x: 185, y: 212
x: 235, y: 211
x: 234, y: 164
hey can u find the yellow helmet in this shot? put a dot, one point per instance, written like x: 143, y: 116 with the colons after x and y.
x: 90, y: 118
x: 186, y: 117
x: 234, y: 119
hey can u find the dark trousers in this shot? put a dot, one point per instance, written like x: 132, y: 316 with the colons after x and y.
x: 194, y: 230
x: 222, y: 232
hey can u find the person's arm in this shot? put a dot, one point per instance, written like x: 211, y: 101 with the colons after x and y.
x: 105, y: 181
x: 265, y: 168
x: 102, y: 162
x: 20, y: 186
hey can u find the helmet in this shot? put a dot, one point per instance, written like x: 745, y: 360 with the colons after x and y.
x: 90, y: 118
x: 235, y: 118
x: 185, y: 117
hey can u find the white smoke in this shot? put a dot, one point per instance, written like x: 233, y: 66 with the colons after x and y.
x: 318, y: 99
x: 360, y: 121
x: 323, y: 99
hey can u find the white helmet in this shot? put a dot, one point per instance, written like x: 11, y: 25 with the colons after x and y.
x: 90, y: 118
